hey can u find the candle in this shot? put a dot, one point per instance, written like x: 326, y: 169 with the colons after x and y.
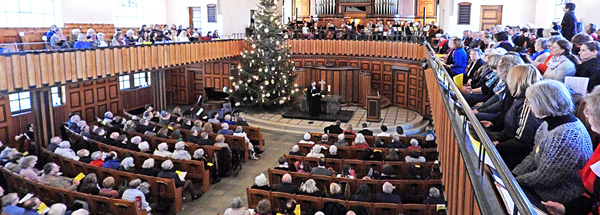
x: 328, y: 88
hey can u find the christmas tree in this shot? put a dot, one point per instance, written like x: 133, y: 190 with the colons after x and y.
x: 266, y: 74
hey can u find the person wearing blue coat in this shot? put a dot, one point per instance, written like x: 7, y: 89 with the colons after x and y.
x: 459, y: 58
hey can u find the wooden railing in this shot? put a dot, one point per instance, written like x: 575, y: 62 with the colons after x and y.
x: 30, y: 70
x: 386, y: 49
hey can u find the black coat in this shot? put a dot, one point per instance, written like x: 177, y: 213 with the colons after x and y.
x: 149, y: 171
x: 366, y: 132
x: 387, y: 198
x: 590, y: 69
x: 286, y: 188
x: 472, y: 70
x: 333, y: 129
x: 569, y: 25
x: 172, y: 175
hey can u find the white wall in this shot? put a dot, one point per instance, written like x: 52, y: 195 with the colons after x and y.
x: 238, y: 14
x: 514, y: 12
x: 78, y: 11
x: 586, y: 11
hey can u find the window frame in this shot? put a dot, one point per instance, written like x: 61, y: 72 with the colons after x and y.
x: 138, y: 78
x: 558, y: 9
x: 60, y: 94
x: 460, y: 15
x: 19, y: 100
x: 212, y: 7
x: 122, y: 81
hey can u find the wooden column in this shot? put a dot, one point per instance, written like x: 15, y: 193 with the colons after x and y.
x: 158, y: 81
x: 43, y: 116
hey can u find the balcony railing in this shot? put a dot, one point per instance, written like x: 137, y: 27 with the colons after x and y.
x: 470, y: 167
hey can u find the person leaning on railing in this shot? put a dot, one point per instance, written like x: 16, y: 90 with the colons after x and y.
x: 587, y: 203
x: 562, y: 147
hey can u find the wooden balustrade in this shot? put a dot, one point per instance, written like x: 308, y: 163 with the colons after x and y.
x: 30, y: 70
x: 386, y: 49
x: 458, y: 187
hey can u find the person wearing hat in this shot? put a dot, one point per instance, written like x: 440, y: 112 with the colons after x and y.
x: 169, y: 172
x: 569, y: 22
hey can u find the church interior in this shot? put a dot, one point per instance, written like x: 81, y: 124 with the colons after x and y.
x: 299, y: 107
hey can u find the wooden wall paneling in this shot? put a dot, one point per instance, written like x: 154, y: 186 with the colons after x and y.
x: 117, y: 56
x: 386, y: 80
x: 16, y: 70
x: 155, y: 58
x: 80, y: 64
x: 400, y: 88
x: 58, y: 65
x: 376, y: 68
x: 72, y: 65
x: 126, y: 65
x: 4, y: 75
x: 108, y: 59
x: 23, y: 69
x: 140, y: 59
x: 31, y: 66
x: 90, y: 69
x: 389, y: 50
x: 100, y: 63
x: 133, y: 58
x: 42, y: 73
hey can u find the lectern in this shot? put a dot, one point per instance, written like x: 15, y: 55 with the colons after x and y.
x: 373, y: 108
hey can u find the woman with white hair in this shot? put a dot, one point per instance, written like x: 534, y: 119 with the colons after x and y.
x: 148, y: 168
x: 296, y: 151
x: 128, y: 165
x: 260, y: 182
x: 306, y: 139
x: 414, y: 145
x: 163, y: 150
x: 199, y: 155
x: 102, y: 40
x: 516, y: 140
x: 541, y: 50
x: 28, y: 171
x: 309, y: 188
x: 333, y: 153
x: 180, y: 153
x: 144, y: 147
x: 585, y: 202
x: 97, y: 159
x: 360, y: 142
x: 240, y: 133
x: 341, y: 140
x: 169, y: 172
x: 64, y: 149
x: 316, y: 152
x: 335, y: 191
x: 57, y: 209
x: 387, y: 196
x: 182, y: 38
x: 562, y: 146
x: 237, y: 208
x: 82, y: 42
x: 134, y: 194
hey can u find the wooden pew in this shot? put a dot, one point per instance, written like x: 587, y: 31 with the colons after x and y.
x: 332, y: 138
x: 347, y: 152
x: 51, y: 195
x: 195, y: 169
x: 161, y: 189
x: 317, y: 203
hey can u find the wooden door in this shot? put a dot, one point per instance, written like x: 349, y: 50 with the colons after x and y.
x: 491, y: 15
x: 303, y: 8
x: 177, y: 86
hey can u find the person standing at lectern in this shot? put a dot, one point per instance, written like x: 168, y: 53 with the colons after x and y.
x: 314, y: 99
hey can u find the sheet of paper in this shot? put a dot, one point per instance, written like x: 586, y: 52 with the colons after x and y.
x: 578, y: 84
x: 43, y: 208
x: 181, y: 174
x: 25, y: 198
